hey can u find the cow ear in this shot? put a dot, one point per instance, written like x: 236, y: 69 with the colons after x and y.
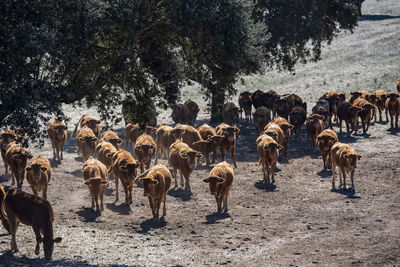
x: 65, y: 127
x: 154, y: 182
x: 359, y: 156
x: 183, y: 154
x: 104, y: 182
x: 141, y: 180
x: 87, y: 182
x: 57, y: 240
x: 291, y: 126
x: 110, y: 154
x: 319, y: 139
x: 123, y: 167
x: 220, y: 180
x: 43, y: 169
x: 119, y: 141
x: 136, y: 165
x: 237, y: 130
x: 280, y: 147
x: 29, y: 168
x: 14, y: 157
x: 206, y: 180
x: 346, y: 156
x: 199, y: 155
x: 81, y: 139
x: 98, y: 122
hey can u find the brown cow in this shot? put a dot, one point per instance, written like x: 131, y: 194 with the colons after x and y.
x: 57, y: 133
x: 220, y: 181
x: 357, y: 94
x: 38, y: 174
x: 184, y: 159
x: 381, y: 97
x: 86, y: 141
x: 345, y: 158
x: 190, y: 135
x: 156, y: 182
x: 392, y: 106
x: 298, y: 116
x: 95, y: 176
x: 365, y: 113
x: 208, y: 133
x: 193, y: 111
x: 230, y: 113
x: 7, y: 137
x: 124, y: 168
x: 334, y: 99
x: 325, y: 140
x: 245, y: 105
x: 348, y: 113
x: 285, y: 104
x: 104, y: 153
x: 268, y: 153
x: 33, y: 211
x: 285, y: 126
x: 164, y: 139
x: 261, y: 117
x: 256, y: 99
x: 17, y: 156
x: 145, y: 148
x: 111, y: 137
x: 314, y: 126
x: 272, y: 129
x: 90, y: 122
x: 322, y: 108
x: 181, y: 114
x: 228, y: 143
x: 3, y: 219
x: 133, y: 131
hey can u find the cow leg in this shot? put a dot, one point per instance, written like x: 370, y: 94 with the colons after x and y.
x: 187, y: 185
x: 207, y: 156
x: 214, y: 155
x: 329, y: 161
x: 34, y: 191
x: 116, y: 188
x: 363, y: 125
x: 182, y: 181
x: 127, y: 142
x: 130, y: 200
x: 222, y: 154
x: 44, y: 195
x: 233, y: 156
x: 141, y: 167
x: 158, y: 204
x: 101, y: 197
x: 164, y: 200
x: 333, y: 176
x: 61, y: 151
x: 12, y: 178
x: 264, y: 170
x: 226, y: 201
x: 96, y: 199
x: 391, y: 121
x: 324, y: 160
x: 92, y: 197
x: 348, y: 128
x: 151, y: 206
x: 397, y: 121
x: 343, y: 172
x: 36, y: 229
x: 174, y: 173
x: 387, y: 118
x: 219, y: 209
x: 54, y: 149
x: 273, y: 166
x: 368, y: 123
x: 12, y: 219
x: 353, y: 189
x: 380, y: 114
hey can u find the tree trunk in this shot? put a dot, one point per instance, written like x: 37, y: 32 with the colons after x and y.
x: 217, y: 102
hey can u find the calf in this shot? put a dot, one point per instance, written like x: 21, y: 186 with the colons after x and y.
x: 16, y: 157
x: 205, y: 147
x: 245, y: 105
x: 273, y: 130
x: 285, y: 126
x: 261, y: 117
x: 145, y: 148
x: 345, y: 158
x: 381, y: 97
x: 3, y: 219
x: 314, y: 126
x: 57, y: 133
x: 165, y: 138
x: 298, y: 116
x: 220, y: 181
x: 156, y: 183
x: 86, y: 141
x: 268, y: 153
x: 95, y: 176
x: 104, y: 153
x: 392, y: 106
x: 322, y: 108
x: 7, y: 137
x: 184, y: 159
x: 229, y: 141
x: 190, y: 135
x: 256, y: 99
x: 111, y: 137
x: 33, y: 211
x: 334, y: 99
x: 181, y: 114
x: 325, y: 140
x: 38, y: 174
x: 208, y: 133
x: 230, y: 113
x: 365, y: 113
x: 90, y: 122
x: 133, y: 131
x: 193, y: 109
x: 124, y: 168
x: 348, y: 113
x: 355, y: 95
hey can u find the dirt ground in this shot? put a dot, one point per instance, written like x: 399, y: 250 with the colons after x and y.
x: 300, y: 222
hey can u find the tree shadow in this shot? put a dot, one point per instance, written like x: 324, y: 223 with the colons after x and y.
x: 88, y: 214
x: 348, y: 192
x: 9, y: 259
x: 123, y: 208
x: 377, y: 17
x: 5, y: 178
x: 79, y: 159
x: 324, y: 173
x: 215, y: 217
x: 76, y: 173
x: 184, y: 195
x: 343, y: 138
x: 264, y: 186
x: 149, y: 224
x: 393, y: 131
x: 54, y: 163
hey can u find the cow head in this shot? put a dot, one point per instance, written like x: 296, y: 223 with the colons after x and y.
x: 60, y: 130
x: 48, y: 246
x: 149, y: 130
x: 351, y: 159
x: 95, y: 185
x: 230, y: 132
x: 177, y: 131
x: 146, y: 151
x: 273, y: 149
x: 315, y: 118
x: 298, y: 115
x: 202, y: 145
x: 190, y: 156
x: 353, y: 110
x: 92, y: 124
x: 286, y: 127
x: 178, y: 112
x: 214, y: 182
x: 149, y: 186
x: 393, y: 97
x: 216, y: 139
x: 272, y: 133
x: 381, y: 98
x: 371, y: 98
x: 36, y: 170
x: 90, y: 140
x: 325, y: 142
x: 116, y: 142
x: 21, y: 156
x: 129, y: 169
x: 355, y: 95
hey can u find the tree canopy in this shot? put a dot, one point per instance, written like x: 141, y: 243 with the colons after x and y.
x: 101, y: 52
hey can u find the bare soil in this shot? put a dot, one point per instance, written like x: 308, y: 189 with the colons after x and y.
x: 298, y: 222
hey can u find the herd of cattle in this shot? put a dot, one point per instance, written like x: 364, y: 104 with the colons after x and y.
x: 274, y: 118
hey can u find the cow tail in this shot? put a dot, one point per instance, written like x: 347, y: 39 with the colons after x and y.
x: 259, y: 162
x: 76, y: 127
